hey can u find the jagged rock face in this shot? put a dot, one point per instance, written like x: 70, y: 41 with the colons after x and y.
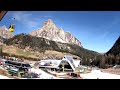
x: 71, y: 39
x: 4, y: 33
x: 51, y: 32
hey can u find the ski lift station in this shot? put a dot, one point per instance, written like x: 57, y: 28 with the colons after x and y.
x: 67, y: 63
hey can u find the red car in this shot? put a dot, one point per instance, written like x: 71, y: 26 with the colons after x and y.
x: 1, y: 63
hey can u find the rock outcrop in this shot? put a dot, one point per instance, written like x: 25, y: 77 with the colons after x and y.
x: 50, y: 31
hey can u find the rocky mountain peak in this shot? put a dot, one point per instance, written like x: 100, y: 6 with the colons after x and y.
x: 5, y: 33
x: 49, y: 24
x: 3, y: 27
x: 50, y: 31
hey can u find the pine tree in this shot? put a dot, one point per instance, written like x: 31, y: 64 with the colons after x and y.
x: 102, y: 62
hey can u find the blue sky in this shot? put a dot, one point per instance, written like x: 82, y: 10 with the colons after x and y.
x: 96, y: 30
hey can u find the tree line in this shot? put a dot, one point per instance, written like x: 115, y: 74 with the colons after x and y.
x: 41, y: 44
x: 103, y: 61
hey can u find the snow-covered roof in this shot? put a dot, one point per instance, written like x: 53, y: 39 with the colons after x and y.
x: 55, y: 63
x: 68, y: 57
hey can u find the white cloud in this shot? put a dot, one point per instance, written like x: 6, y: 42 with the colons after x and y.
x: 26, y: 19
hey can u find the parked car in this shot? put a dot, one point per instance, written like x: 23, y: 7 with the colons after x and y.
x: 30, y: 75
x: 2, y: 61
x: 15, y: 72
x: 19, y: 65
x: 116, y: 66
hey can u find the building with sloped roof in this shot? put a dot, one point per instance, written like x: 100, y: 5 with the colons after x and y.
x: 67, y: 62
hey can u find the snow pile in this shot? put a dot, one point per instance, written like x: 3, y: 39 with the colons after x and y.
x: 76, y: 62
x: 100, y: 75
x: 4, y: 77
x: 43, y: 75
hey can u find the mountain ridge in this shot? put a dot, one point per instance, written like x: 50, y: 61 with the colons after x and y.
x: 50, y: 31
x: 115, y: 49
x: 38, y: 44
x: 4, y: 33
